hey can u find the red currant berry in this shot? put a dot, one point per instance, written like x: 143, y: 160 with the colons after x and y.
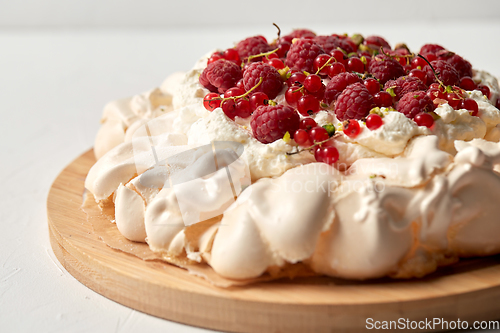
x: 313, y: 83
x: 320, y: 61
x: 232, y: 55
x: 372, y: 85
x: 453, y: 100
x: 484, y: 89
x: 240, y: 85
x: 211, y: 101
x: 418, y: 62
x: 497, y: 105
x: 318, y: 134
x: 301, y: 137
x: 467, y: 83
x: 276, y: 63
x: 307, y: 123
x: 296, y: 79
x: 336, y: 69
x: 424, y: 119
x: 469, y: 104
x: 339, y: 56
x: 382, y: 99
x: 257, y: 99
x: 374, y: 121
x: 234, y: 92
x: 283, y: 48
x: 434, y: 93
x: 272, y: 56
x: 229, y: 108
x: 243, y: 108
x: 318, y: 154
x: 292, y: 95
x: 307, y: 105
x: 214, y: 57
x: 352, y: 128
x: 419, y: 74
x: 330, y: 155
x: 355, y: 64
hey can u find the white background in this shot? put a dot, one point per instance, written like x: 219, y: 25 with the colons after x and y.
x: 61, y: 61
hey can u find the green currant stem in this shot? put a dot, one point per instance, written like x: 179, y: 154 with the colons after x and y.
x: 326, y: 64
x: 261, y: 55
x: 241, y: 96
x: 298, y: 151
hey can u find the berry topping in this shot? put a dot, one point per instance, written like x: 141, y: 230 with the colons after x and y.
x: 211, y: 101
x: 313, y: 83
x: 330, y: 43
x: 484, y: 89
x: 270, y: 123
x: 385, y: 68
x: 415, y: 102
x: 308, y: 105
x: 445, y: 72
x: 318, y: 134
x: 351, y: 128
x: 463, y: 67
x: 328, y: 154
x: 424, y: 119
x: 373, y: 122
x: 337, y: 84
x: 271, y: 79
x: 257, y: 99
x: 307, y: 123
x: 376, y: 42
x: 469, y: 104
x: 467, y: 83
x: 299, y: 33
x: 430, y: 49
x: 302, y: 138
x: 383, y: 99
x: 403, y: 85
x: 372, y: 85
x: 355, y: 102
x: 302, y: 54
x: 252, y: 46
x: 220, y: 76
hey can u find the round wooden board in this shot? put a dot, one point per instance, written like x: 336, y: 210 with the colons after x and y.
x: 469, y: 290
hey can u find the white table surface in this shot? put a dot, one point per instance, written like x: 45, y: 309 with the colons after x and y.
x: 53, y: 85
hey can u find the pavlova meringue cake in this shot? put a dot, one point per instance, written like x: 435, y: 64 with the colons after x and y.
x: 337, y: 153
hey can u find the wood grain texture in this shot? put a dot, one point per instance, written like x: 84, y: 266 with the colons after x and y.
x: 469, y: 290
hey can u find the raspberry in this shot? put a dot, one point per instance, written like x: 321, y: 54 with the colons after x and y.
x: 430, y: 49
x: 302, y: 54
x: 375, y: 42
x: 252, y: 46
x: 446, y: 73
x: 299, y: 33
x: 220, y: 75
x: 403, y: 85
x: 330, y: 43
x: 355, y: 102
x: 272, y: 83
x: 463, y: 67
x: 337, y: 84
x: 415, y: 102
x: 270, y: 123
x: 385, y: 68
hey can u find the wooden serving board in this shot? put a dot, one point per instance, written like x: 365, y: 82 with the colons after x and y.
x: 469, y: 290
